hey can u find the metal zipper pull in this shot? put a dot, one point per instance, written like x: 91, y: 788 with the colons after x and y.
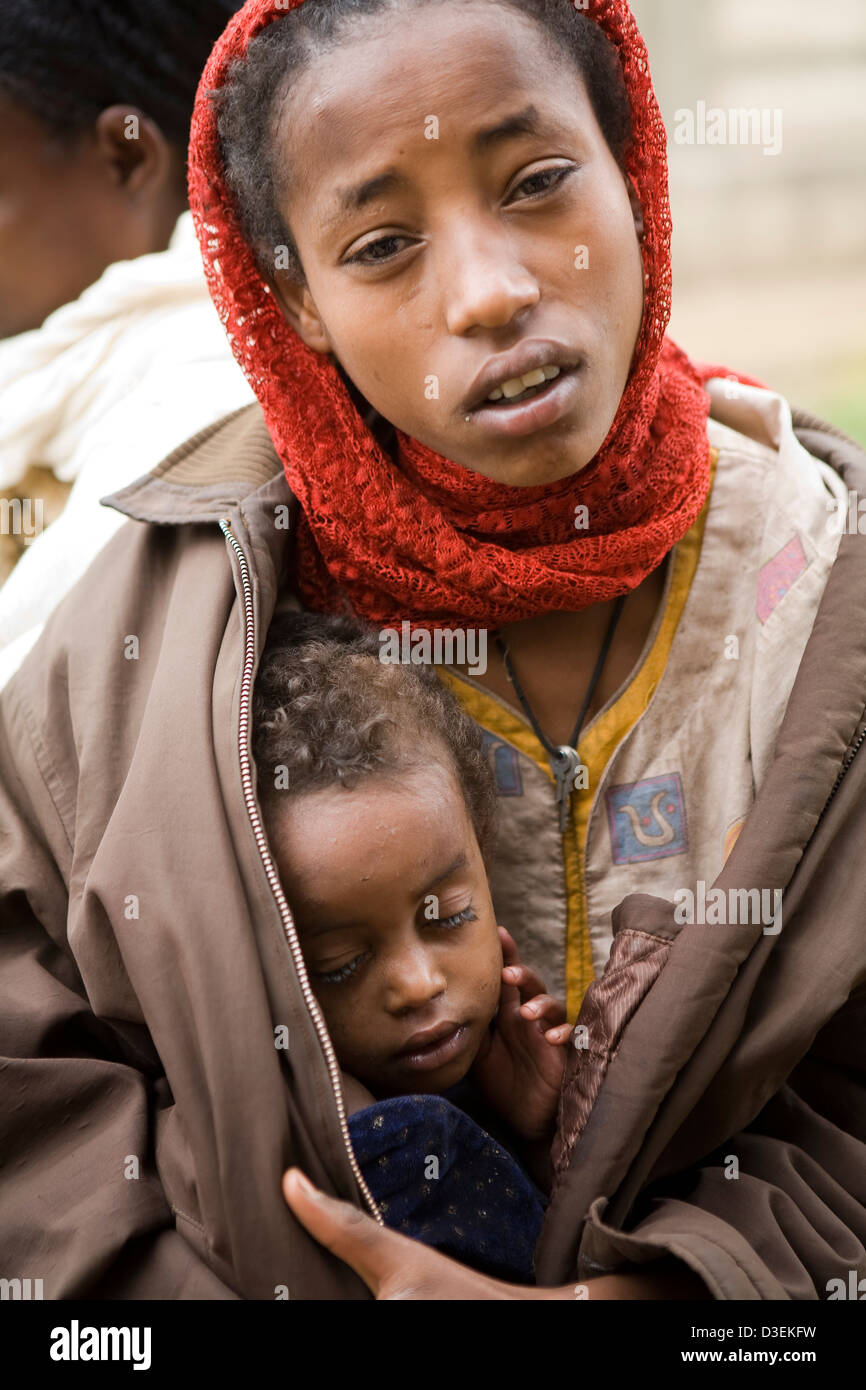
x: 564, y: 765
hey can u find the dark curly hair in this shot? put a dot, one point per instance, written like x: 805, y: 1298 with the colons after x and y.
x: 66, y: 62
x: 327, y: 710
x: 251, y: 102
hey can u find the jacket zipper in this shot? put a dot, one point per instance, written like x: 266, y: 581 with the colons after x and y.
x: 852, y: 753
x: 272, y: 876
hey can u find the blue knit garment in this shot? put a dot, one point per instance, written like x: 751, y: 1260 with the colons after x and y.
x: 439, y: 1177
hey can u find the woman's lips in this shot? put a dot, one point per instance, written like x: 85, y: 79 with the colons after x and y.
x: 545, y: 408
x: 437, y: 1053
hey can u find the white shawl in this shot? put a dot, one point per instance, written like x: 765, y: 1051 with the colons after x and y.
x: 108, y: 386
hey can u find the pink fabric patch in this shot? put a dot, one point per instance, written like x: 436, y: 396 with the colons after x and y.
x: 778, y: 575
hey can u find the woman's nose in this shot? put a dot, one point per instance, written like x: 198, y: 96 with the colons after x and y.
x: 486, y: 286
x: 413, y: 980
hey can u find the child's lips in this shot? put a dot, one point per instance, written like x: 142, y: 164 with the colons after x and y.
x: 444, y: 1044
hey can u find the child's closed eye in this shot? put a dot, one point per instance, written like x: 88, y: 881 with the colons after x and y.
x: 466, y: 915
x: 343, y: 972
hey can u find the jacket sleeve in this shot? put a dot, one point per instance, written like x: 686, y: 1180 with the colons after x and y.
x: 779, y: 1210
x: 81, y: 1204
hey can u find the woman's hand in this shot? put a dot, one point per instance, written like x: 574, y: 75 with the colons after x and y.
x: 519, y: 1066
x: 392, y: 1266
x: 395, y: 1267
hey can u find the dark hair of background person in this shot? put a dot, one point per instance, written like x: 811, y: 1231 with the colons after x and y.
x: 67, y: 60
x: 96, y: 101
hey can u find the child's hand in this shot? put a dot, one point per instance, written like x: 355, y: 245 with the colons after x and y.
x: 519, y: 1067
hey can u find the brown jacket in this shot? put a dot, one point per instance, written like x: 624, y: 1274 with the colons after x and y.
x: 149, y: 968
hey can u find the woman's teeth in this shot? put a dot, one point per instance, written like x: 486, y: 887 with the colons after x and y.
x: 517, y: 385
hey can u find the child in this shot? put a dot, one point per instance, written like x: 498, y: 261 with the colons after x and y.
x: 378, y: 800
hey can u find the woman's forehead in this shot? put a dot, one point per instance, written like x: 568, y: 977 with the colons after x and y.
x: 403, y: 97
x: 441, y: 61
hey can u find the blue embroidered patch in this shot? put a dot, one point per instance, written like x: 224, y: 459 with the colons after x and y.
x: 647, y: 819
x: 505, y: 765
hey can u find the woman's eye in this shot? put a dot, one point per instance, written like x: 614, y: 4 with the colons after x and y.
x: 373, y: 253
x: 467, y: 915
x: 343, y: 973
x: 545, y: 180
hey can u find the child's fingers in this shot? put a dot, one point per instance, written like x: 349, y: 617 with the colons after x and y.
x: 558, y: 1035
x: 544, y: 1009
x: 528, y: 981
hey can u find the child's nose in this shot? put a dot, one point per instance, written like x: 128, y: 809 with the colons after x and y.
x: 413, y: 980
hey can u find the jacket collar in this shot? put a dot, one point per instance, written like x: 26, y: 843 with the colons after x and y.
x: 207, y: 476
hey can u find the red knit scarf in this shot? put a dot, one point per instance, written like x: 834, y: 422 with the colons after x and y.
x: 423, y: 537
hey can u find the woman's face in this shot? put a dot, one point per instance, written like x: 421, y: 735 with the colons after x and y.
x: 461, y: 219
x: 394, y: 915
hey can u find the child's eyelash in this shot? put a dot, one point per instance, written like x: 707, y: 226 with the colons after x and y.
x: 467, y: 915
x: 345, y: 972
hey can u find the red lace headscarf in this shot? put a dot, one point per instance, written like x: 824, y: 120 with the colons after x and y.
x: 424, y: 538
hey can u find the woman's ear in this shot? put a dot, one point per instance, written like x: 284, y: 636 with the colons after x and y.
x: 299, y: 309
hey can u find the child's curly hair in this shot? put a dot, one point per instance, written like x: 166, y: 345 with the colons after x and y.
x: 327, y: 710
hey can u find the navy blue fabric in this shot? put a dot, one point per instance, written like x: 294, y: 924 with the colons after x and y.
x: 439, y: 1177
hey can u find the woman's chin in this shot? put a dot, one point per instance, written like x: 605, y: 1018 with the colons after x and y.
x: 562, y: 461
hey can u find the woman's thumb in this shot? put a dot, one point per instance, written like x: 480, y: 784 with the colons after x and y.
x: 371, y: 1251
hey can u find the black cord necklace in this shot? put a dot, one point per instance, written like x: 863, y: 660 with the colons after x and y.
x: 564, y: 758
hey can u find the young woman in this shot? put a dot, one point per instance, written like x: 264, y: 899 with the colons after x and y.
x: 438, y: 236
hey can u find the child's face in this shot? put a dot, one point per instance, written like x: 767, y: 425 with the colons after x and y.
x: 396, y: 924
x: 469, y: 242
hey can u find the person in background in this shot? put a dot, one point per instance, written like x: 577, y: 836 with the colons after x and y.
x: 111, y: 349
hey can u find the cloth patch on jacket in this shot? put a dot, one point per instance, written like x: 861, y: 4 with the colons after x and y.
x: 778, y: 575
x: 730, y: 837
x: 647, y: 819
x: 505, y: 765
